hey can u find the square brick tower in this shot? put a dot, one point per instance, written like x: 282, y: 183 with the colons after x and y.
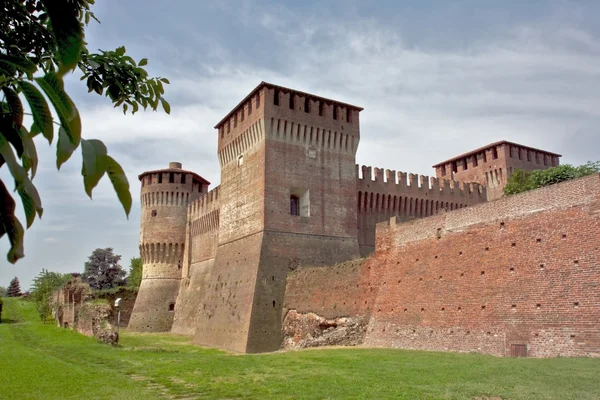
x: 287, y: 198
x: 493, y: 164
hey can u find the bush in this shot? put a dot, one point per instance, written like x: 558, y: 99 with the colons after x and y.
x: 522, y: 181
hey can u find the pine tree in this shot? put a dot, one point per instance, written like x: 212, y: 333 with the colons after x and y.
x: 14, y: 288
x: 103, y: 271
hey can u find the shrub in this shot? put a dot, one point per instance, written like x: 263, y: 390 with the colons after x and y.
x: 522, y: 181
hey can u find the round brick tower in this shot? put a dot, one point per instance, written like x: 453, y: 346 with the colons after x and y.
x: 165, y: 196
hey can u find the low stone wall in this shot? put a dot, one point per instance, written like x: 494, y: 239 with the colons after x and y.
x: 311, y: 330
x: 96, y: 320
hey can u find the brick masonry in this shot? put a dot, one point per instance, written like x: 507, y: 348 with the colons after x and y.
x: 216, y: 262
x: 522, y: 270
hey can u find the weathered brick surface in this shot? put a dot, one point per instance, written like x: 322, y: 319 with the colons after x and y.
x: 165, y: 197
x: 520, y: 270
x: 330, y: 292
x: 224, y: 255
x: 383, y: 194
x: 494, y: 164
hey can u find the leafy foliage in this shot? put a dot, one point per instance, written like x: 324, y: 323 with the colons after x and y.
x: 2, y: 291
x: 14, y: 288
x: 102, y: 270
x: 135, y: 272
x: 42, y: 288
x: 521, y: 181
x: 40, y: 42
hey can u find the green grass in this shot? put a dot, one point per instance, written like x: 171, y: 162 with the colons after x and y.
x: 41, y: 361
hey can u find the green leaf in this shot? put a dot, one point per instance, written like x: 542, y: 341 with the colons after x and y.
x: 64, y: 148
x: 165, y: 80
x: 29, y: 157
x: 94, y: 163
x: 10, y: 225
x: 143, y: 61
x: 67, y: 31
x: 165, y: 105
x: 119, y: 182
x: 20, y: 175
x: 28, y: 206
x: 42, y: 118
x: 23, y: 64
x: 14, y: 105
x: 120, y: 51
x: 70, y: 121
x: 16, y: 170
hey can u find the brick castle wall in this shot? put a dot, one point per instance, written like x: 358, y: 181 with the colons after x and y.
x: 523, y: 270
x: 406, y: 196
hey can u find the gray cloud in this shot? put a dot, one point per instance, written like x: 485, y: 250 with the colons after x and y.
x: 433, y: 83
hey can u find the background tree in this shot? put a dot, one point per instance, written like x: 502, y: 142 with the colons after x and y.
x: 521, y: 181
x: 135, y: 272
x: 103, y: 271
x: 40, y: 42
x: 2, y: 291
x: 14, y: 288
x: 42, y: 288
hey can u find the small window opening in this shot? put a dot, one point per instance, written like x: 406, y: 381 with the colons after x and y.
x: 454, y: 167
x: 292, y: 101
x: 171, y: 177
x: 484, y: 157
x: 228, y: 126
x: 475, y: 162
x: 443, y: 170
x: 154, y: 213
x: 348, y: 115
x: 306, y: 105
x: 257, y: 100
x: 335, y: 111
x: 235, y: 120
x: 294, y: 205
x: 172, y: 307
x: 300, y: 202
x: 494, y: 153
x: 465, y: 165
x: 182, y: 178
x: 159, y: 178
x: 276, y: 97
x: 149, y: 179
x: 250, y: 107
x: 321, y: 108
x: 179, y: 264
x: 528, y: 155
x: 273, y: 303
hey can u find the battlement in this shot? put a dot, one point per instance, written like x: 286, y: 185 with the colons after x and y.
x: 312, y: 136
x: 248, y: 138
x: 165, y: 253
x: 413, y: 183
x: 205, y: 204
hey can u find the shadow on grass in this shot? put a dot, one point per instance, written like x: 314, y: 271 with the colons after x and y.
x: 9, y: 321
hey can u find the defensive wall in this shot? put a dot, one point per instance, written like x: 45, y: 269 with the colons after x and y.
x: 202, y: 235
x: 493, y: 164
x: 386, y: 193
x: 516, y: 276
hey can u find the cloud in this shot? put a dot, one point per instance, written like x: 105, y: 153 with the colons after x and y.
x: 434, y: 82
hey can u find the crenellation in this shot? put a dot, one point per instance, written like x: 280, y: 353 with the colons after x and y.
x: 215, y: 263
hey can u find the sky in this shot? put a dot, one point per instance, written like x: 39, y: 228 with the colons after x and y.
x: 435, y: 78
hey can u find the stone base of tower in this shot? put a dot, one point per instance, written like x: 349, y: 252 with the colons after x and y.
x: 154, y: 306
x: 242, y: 308
x: 191, y: 294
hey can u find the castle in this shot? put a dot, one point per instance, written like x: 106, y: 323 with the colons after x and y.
x: 216, y: 262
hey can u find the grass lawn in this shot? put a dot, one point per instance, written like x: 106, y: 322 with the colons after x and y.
x: 41, y: 361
